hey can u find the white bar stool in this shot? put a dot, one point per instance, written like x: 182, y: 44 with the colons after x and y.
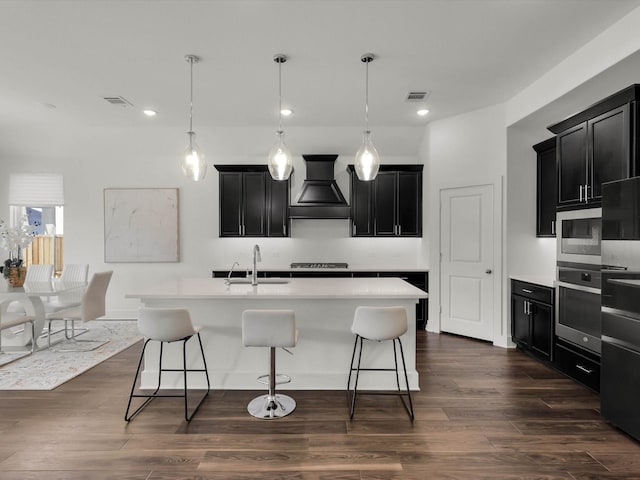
x: 167, y: 325
x: 378, y: 324
x: 270, y: 328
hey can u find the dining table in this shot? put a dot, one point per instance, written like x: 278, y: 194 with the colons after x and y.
x: 35, y: 299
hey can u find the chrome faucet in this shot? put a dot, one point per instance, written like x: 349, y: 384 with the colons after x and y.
x: 231, y: 271
x: 256, y: 258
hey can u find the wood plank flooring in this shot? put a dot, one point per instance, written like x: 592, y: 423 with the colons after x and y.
x: 482, y: 413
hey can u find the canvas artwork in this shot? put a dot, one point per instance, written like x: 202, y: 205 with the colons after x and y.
x: 140, y: 225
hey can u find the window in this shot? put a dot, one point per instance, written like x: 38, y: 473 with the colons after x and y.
x: 40, y: 198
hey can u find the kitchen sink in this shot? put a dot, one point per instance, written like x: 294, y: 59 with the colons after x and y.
x: 261, y: 281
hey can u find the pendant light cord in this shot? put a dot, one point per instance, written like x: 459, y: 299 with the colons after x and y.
x: 191, y: 99
x: 366, y: 95
x: 280, y: 96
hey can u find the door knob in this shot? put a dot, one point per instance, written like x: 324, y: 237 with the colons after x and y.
x: 488, y: 271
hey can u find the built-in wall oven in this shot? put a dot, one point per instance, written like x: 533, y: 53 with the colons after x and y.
x: 578, y: 305
x: 578, y: 278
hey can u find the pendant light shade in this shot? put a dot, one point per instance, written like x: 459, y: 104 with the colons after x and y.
x: 367, y: 160
x: 192, y: 162
x: 280, y: 161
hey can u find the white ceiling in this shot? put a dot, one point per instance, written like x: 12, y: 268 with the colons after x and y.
x: 468, y: 53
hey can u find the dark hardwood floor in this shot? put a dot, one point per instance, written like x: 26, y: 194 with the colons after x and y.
x: 482, y: 413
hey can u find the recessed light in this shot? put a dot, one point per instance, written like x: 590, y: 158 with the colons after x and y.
x: 150, y: 113
x: 423, y: 112
x: 286, y: 112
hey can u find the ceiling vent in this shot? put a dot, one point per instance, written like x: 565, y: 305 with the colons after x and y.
x: 119, y: 101
x: 417, y: 96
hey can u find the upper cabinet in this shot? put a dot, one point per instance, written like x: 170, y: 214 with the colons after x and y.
x: 390, y: 205
x: 595, y: 146
x: 252, y: 204
x: 546, y: 188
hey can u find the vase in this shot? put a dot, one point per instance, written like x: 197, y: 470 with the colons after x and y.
x: 16, y: 276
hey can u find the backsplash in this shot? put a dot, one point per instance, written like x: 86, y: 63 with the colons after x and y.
x: 322, y: 241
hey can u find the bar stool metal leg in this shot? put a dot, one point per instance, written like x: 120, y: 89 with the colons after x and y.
x: 351, y: 394
x: 271, y: 405
x: 149, y: 397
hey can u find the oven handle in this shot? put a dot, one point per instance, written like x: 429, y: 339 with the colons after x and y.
x: 582, y: 288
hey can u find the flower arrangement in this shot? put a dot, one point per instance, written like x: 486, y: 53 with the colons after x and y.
x: 13, y: 240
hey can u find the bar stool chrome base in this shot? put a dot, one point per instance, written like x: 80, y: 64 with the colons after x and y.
x: 271, y: 406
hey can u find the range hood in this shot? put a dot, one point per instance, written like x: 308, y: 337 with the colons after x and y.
x: 320, y: 196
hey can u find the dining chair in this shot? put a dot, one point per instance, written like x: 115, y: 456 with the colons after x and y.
x: 75, y: 272
x: 91, y: 307
x: 73, y: 275
x: 39, y: 273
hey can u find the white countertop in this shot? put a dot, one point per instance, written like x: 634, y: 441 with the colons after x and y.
x: 351, y: 268
x: 535, y: 279
x: 299, y: 288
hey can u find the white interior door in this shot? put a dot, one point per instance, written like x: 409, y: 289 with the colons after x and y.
x: 466, y: 261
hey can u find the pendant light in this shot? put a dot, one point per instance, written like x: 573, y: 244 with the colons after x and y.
x: 367, y: 161
x: 280, y: 161
x: 193, y: 165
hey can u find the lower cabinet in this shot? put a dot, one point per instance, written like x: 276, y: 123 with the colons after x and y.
x: 532, y: 318
x: 532, y: 330
x: 579, y: 364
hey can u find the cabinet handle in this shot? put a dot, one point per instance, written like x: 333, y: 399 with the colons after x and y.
x: 586, y: 194
x: 353, y: 229
x: 581, y: 187
x: 399, y: 230
x: 553, y: 227
x: 526, y: 290
x: 584, y: 369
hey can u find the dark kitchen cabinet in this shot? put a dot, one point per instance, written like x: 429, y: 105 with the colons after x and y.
x: 390, y: 205
x: 595, y: 146
x: 577, y: 363
x: 252, y: 204
x: 361, y: 207
x: 532, y: 318
x: 419, y: 280
x: 546, y: 188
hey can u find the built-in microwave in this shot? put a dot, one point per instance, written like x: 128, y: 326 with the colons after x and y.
x: 579, y: 236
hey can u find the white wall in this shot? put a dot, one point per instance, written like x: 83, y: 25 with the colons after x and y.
x: 117, y: 158
x: 603, y: 52
x: 462, y: 150
x: 526, y: 254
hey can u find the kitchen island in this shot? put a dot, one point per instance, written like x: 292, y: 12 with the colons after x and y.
x: 324, y: 310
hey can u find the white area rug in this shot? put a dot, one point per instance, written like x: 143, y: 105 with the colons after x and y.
x: 45, y: 370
